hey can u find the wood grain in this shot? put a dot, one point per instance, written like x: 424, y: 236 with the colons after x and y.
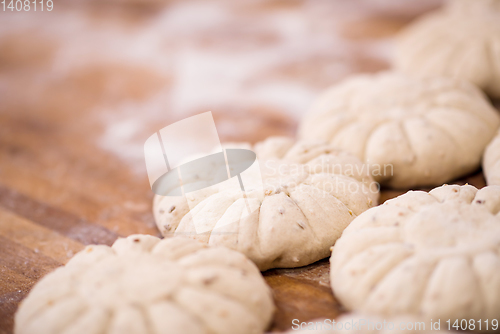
x: 62, y: 187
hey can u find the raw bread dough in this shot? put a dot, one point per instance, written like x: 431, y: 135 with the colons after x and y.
x: 359, y: 323
x: 310, y: 193
x: 142, y: 285
x: 461, y: 40
x: 434, y: 254
x: 491, y: 162
x: 412, y: 131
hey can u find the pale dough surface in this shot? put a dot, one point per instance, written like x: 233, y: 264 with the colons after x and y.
x: 412, y: 131
x: 491, y: 162
x: 436, y: 255
x: 142, y: 285
x: 310, y: 193
x: 461, y: 40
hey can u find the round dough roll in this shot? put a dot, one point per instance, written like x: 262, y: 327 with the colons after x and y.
x: 436, y: 255
x: 412, y: 131
x: 142, y: 285
x: 491, y: 162
x: 310, y: 193
x: 462, y: 40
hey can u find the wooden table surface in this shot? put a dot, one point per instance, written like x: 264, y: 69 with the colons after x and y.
x: 82, y: 87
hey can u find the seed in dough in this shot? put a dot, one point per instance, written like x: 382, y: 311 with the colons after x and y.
x: 433, y: 254
x: 412, y: 131
x: 311, y: 192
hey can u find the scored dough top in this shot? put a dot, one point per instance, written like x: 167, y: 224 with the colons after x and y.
x: 430, y: 130
x: 436, y: 254
x: 471, y: 52
x: 310, y: 192
x: 146, y: 285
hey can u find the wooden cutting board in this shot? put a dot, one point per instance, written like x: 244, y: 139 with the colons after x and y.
x: 71, y: 131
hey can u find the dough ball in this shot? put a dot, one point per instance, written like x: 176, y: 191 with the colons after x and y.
x: 359, y: 323
x: 301, y: 199
x: 436, y: 255
x: 146, y: 285
x: 491, y: 162
x: 461, y: 40
x: 412, y: 131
